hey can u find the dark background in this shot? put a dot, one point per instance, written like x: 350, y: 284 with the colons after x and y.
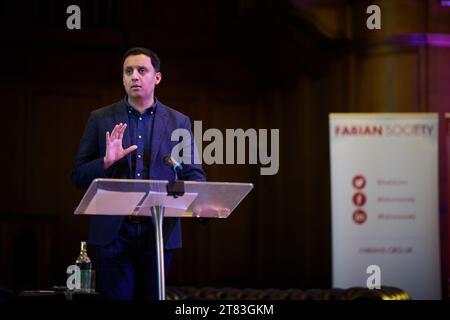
x: 231, y: 64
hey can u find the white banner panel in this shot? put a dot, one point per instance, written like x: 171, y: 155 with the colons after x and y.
x: 384, y: 189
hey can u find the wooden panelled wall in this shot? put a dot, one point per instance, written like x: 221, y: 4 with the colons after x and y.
x: 280, y: 235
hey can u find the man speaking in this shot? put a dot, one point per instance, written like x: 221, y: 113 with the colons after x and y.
x: 129, y: 140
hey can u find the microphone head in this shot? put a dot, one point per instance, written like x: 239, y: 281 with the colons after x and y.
x: 168, y: 161
x: 171, y: 162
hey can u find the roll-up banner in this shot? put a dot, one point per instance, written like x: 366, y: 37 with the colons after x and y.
x: 384, y: 194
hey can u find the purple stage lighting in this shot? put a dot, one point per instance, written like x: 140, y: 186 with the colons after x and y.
x: 445, y: 3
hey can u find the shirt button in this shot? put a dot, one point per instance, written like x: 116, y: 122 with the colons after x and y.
x: 138, y: 174
x: 140, y: 137
x: 151, y: 112
x: 140, y: 118
x: 139, y: 155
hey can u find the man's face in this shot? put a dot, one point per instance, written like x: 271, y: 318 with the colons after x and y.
x: 139, y: 76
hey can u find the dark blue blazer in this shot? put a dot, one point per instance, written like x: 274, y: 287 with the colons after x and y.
x: 89, y: 164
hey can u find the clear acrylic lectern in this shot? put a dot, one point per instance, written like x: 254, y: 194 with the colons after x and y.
x: 150, y: 198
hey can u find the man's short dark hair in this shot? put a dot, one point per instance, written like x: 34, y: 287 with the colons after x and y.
x: 156, y: 63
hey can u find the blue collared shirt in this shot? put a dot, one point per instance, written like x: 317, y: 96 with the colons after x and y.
x: 140, y: 130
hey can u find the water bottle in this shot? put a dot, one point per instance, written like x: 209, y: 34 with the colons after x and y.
x: 83, y: 261
x: 85, y: 265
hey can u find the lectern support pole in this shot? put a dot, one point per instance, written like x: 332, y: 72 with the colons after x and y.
x: 157, y: 216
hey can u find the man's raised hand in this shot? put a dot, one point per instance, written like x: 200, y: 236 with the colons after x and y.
x: 114, y: 147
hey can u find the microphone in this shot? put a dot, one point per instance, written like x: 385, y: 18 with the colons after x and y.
x: 172, y: 163
x: 175, y: 187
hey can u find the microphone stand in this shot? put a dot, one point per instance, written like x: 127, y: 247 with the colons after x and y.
x: 175, y: 187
